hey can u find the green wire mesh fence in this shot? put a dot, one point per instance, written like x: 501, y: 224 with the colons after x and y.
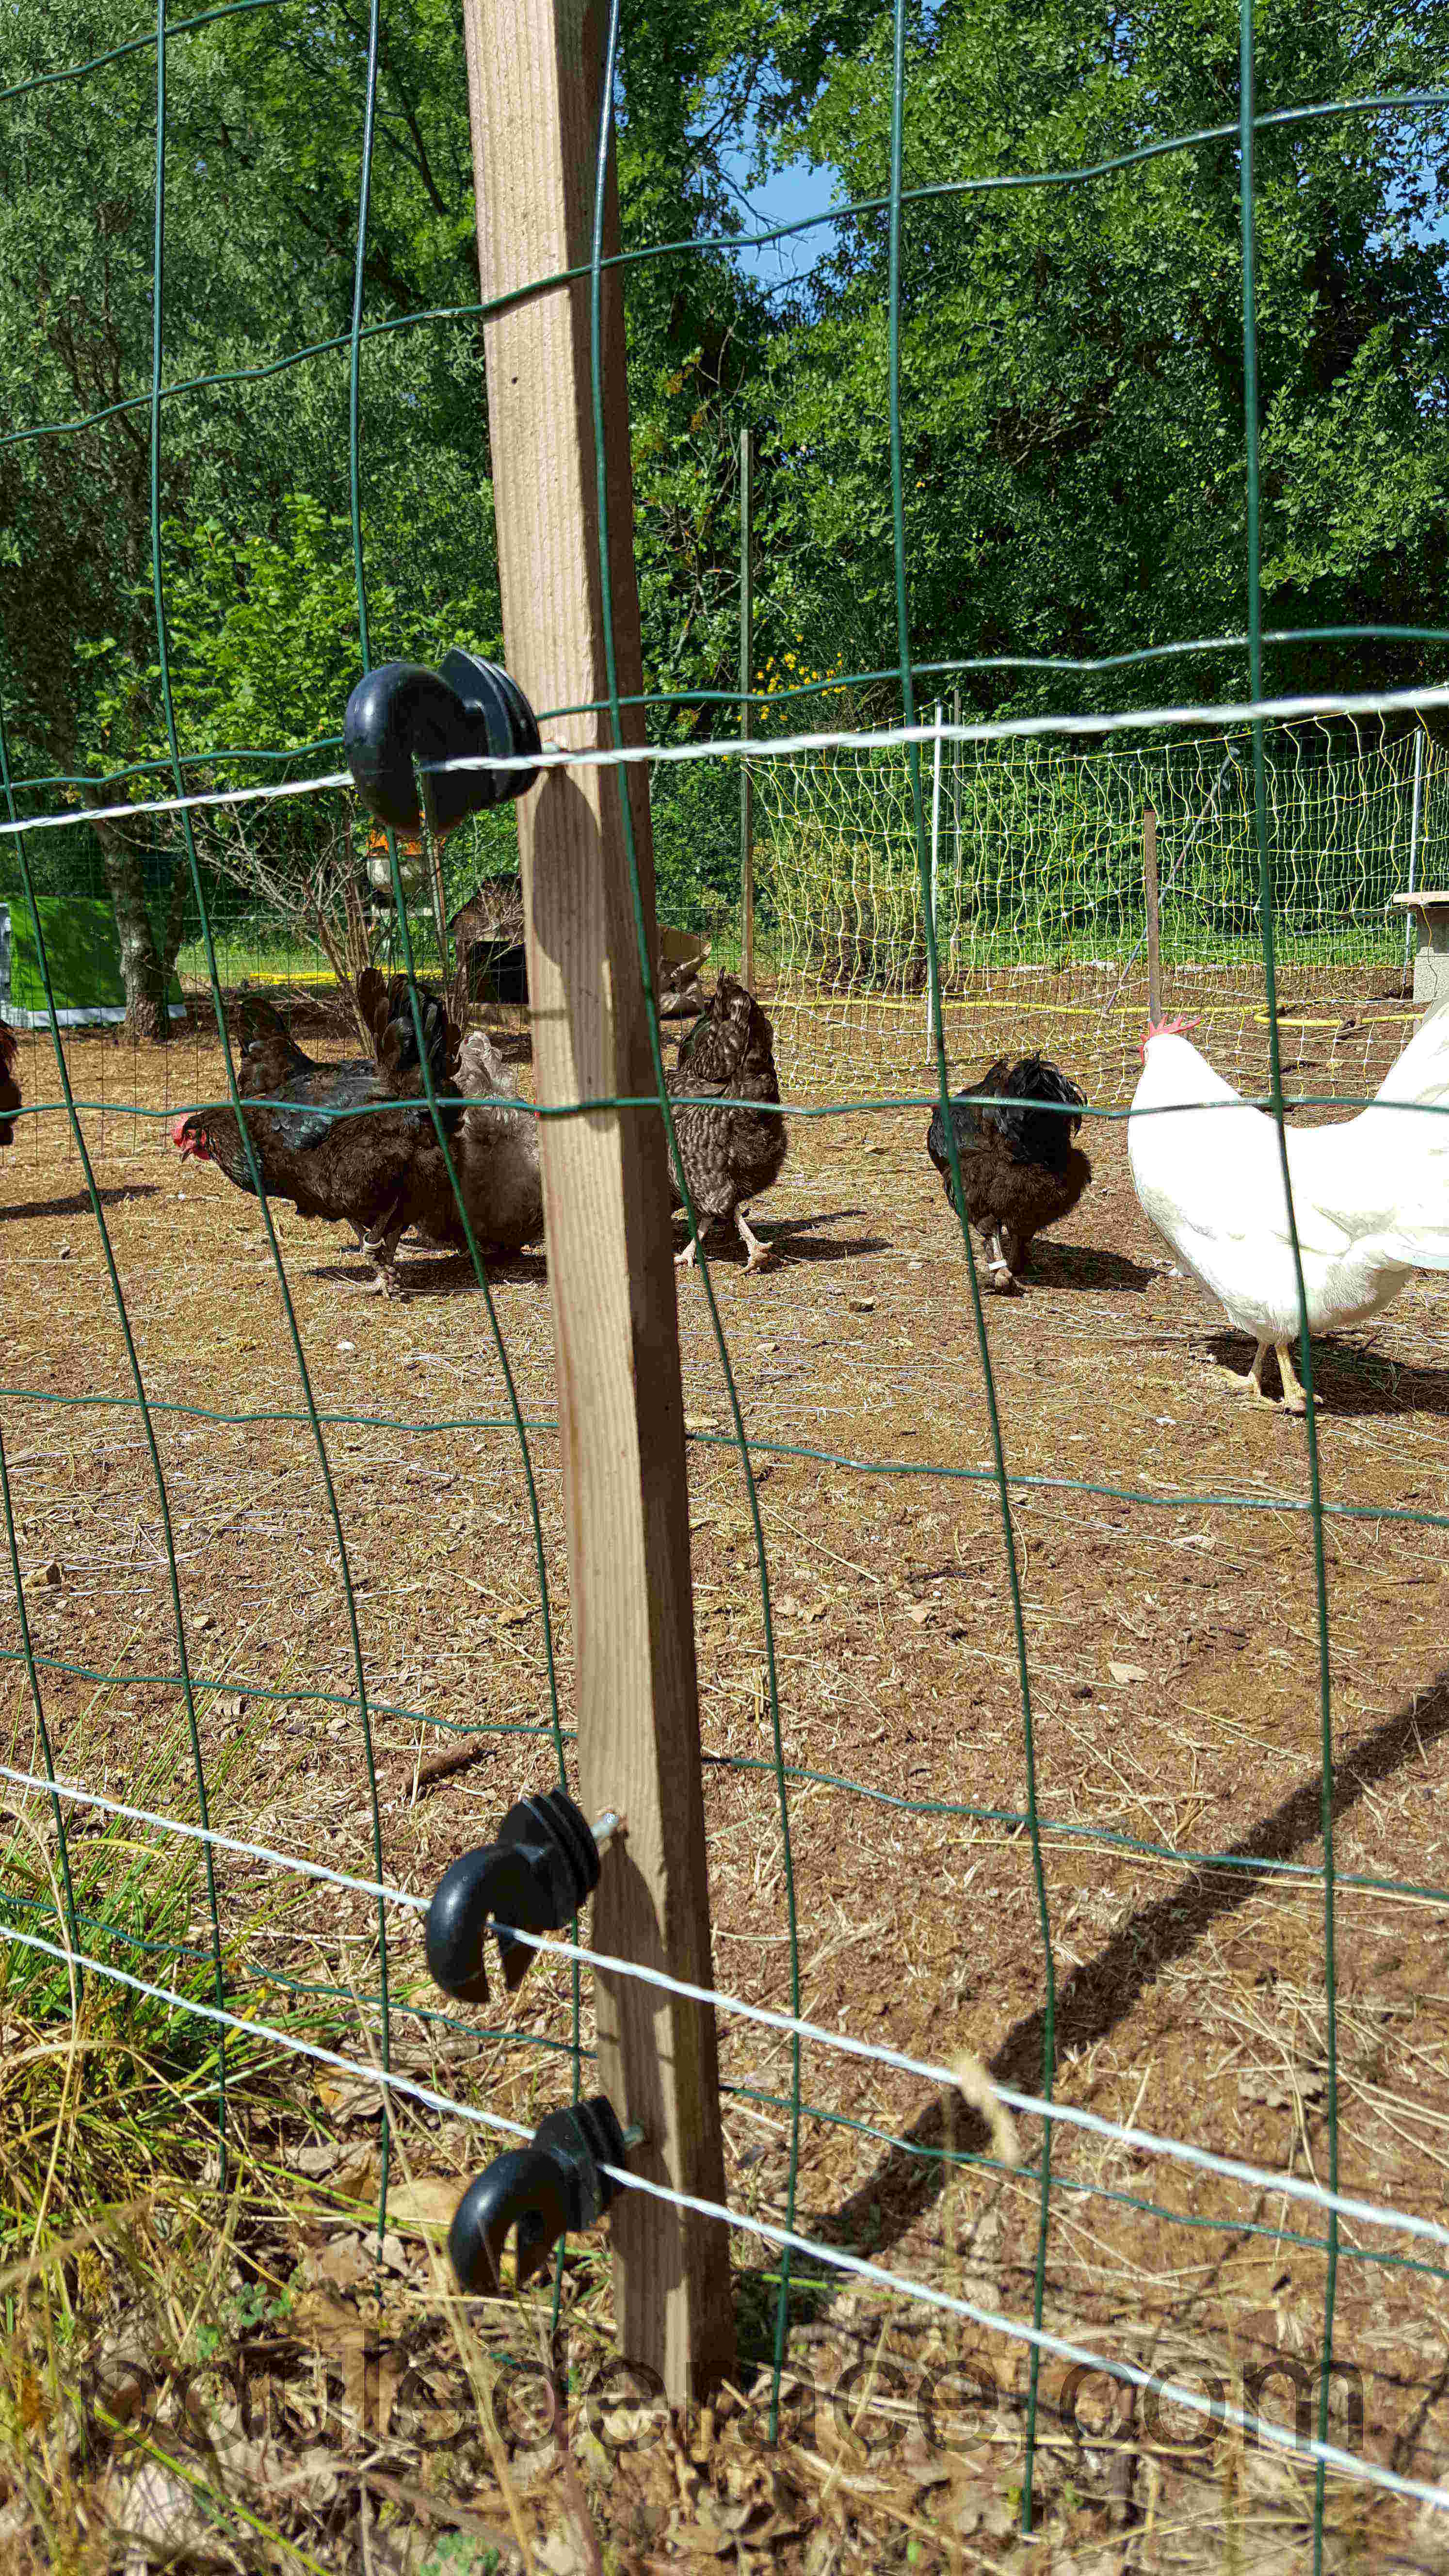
x: 906, y: 883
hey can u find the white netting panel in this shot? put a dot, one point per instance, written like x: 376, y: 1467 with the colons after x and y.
x: 1037, y: 865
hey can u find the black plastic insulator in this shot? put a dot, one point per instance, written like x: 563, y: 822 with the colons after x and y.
x: 553, y: 2188
x: 534, y: 1877
x: 466, y: 710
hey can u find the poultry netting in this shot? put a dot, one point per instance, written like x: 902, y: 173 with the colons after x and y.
x: 1036, y: 877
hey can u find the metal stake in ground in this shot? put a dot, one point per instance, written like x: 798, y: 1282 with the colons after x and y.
x: 534, y: 71
x: 1149, y: 880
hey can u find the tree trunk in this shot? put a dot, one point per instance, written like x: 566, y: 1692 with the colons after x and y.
x: 145, y: 967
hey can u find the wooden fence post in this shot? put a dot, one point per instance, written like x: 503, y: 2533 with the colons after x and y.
x: 534, y: 75
x: 1149, y: 883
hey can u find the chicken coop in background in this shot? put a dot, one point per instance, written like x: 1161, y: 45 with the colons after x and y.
x: 987, y: 1955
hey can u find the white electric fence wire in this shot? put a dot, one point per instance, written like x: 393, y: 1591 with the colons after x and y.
x: 1141, y: 2141
x: 785, y: 747
x: 208, y: 1834
x: 1015, y: 2329
x: 1218, y: 2410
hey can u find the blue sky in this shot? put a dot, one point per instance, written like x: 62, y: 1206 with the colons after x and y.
x: 782, y: 198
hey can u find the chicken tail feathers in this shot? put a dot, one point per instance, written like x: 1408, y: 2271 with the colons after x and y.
x: 263, y: 1031
x: 394, y: 1037
x: 1030, y: 1134
x: 1422, y: 1071
x: 730, y: 1049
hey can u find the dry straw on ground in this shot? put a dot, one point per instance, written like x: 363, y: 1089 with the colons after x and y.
x: 241, y: 2381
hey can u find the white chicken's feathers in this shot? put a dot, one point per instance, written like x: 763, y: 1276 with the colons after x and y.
x: 1422, y: 1071
x: 1370, y: 1195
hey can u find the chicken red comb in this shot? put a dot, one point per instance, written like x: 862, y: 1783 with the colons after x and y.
x: 178, y: 1128
x: 1163, y: 1029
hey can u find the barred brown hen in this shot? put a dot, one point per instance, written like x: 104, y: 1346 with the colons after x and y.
x: 729, y: 1154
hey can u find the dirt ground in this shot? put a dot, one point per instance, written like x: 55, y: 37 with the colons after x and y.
x: 1172, y: 1642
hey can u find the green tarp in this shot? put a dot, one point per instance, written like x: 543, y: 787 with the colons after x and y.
x: 85, y: 964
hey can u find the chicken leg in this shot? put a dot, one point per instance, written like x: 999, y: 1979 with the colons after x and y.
x: 1252, y: 1383
x: 1295, y: 1396
x: 759, y: 1253
x: 1293, y: 1401
x: 381, y: 1251
x: 998, y: 1263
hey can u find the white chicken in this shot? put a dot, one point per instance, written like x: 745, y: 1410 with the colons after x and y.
x: 1370, y: 1194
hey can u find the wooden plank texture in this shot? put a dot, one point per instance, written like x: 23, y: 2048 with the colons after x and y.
x: 534, y: 70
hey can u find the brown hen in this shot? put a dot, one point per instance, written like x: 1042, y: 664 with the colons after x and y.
x: 729, y: 1154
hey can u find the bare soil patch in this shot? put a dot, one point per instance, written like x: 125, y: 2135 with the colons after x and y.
x: 1170, y: 1622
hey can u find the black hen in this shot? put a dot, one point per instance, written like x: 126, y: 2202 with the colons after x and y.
x: 359, y: 1171
x: 729, y: 1155
x: 9, y: 1082
x: 1020, y: 1170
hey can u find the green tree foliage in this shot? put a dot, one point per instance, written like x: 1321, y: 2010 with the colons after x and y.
x: 1072, y: 372
x: 1071, y: 376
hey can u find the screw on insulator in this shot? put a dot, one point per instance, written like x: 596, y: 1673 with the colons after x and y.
x: 551, y: 2188
x: 402, y: 713
x: 533, y: 1877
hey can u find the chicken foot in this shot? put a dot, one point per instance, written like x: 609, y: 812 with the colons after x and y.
x: 381, y: 1251
x: 1252, y: 1383
x: 759, y: 1253
x: 1295, y: 1395
x: 999, y: 1265
x: 1293, y: 1401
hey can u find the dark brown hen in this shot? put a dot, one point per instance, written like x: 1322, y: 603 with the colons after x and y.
x: 729, y: 1154
x: 1020, y: 1169
x: 314, y: 1148
x: 9, y: 1083
x: 382, y: 1171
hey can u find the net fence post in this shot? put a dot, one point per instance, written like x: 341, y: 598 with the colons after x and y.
x: 747, y: 665
x: 933, y: 1020
x: 958, y: 750
x: 1149, y: 889
x: 1416, y: 810
x: 534, y: 79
